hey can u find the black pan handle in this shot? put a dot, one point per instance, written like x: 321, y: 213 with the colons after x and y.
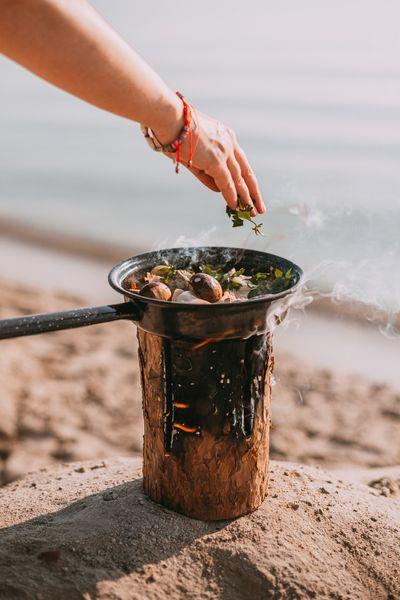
x: 68, y: 319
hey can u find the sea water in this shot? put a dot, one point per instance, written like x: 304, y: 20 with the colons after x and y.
x: 313, y: 92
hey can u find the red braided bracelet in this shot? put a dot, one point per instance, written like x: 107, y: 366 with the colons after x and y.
x: 175, y: 146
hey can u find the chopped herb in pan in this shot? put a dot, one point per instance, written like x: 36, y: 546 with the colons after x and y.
x: 273, y: 282
x: 205, y: 283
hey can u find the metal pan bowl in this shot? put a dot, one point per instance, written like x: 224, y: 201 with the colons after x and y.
x: 199, y: 321
x: 172, y: 319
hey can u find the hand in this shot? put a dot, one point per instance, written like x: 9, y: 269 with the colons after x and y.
x: 218, y: 161
x: 87, y: 58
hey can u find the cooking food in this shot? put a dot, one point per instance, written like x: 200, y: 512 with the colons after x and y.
x: 206, y: 287
x: 156, y: 289
x: 205, y: 284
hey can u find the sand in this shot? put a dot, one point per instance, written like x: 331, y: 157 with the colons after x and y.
x: 68, y: 395
x: 75, y: 395
x: 87, y: 531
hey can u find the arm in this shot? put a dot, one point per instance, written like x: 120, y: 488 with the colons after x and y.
x: 67, y: 43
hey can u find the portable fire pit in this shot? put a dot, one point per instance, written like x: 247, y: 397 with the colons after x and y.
x: 205, y: 374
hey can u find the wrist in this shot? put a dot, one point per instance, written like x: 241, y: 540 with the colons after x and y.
x: 169, y: 120
x: 176, y: 128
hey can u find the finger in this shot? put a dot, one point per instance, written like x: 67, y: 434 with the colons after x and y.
x: 241, y: 187
x: 204, y: 178
x: 223, y: 180
x: 250, y: 179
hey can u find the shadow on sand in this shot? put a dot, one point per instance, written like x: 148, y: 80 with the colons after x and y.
x: 101, y: 538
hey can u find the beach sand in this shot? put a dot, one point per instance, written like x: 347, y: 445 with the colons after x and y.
x: 75, y: 396
x: 88, y: 531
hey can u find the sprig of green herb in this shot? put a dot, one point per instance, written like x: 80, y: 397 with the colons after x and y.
x: 167, y: 273
x: 273, y: 282
x: 225, y: 279
x: 215, y: 272
x: 229, y: 282
x: 242, y: 214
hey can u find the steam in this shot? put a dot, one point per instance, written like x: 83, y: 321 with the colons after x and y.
x: 280, y: 311
x: 375, y: 303
x: 204, y: 238
x: 366, y: 288
x: 346, y: 297
x: 311, y: 217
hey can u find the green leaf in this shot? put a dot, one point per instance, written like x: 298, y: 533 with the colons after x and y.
x: 261, y: 276
x: 242, y: 214
x: 253, y: 293
x: 233, y: 285
x: 257, y: 277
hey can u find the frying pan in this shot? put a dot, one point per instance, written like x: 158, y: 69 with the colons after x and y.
x: 172, y: 319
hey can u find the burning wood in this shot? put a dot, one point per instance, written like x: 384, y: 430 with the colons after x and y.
x: 205, y: 342
x: 184, y: 428
x: 205, y: 369
x: 206, y: 376
x: 206, y: 408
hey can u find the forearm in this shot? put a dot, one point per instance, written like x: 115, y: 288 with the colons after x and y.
x: 67, y: 43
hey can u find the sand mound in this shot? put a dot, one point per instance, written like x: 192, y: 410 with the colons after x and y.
x: 88, y: 531
x: 75, y: 395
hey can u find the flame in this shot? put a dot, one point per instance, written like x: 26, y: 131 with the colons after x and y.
x: 180, y: 405
x: 207, y: 341
x: 185, y: 428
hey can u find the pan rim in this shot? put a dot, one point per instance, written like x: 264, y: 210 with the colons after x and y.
x: 115, y: 272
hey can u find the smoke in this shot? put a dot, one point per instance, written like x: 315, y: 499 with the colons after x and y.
x: 281, y: 311
x: 360, y: 285
x: 204, y: 238
x: 350, y: 258
x: 311, y: 217
x: 350, y: 261
x: 346, y: 298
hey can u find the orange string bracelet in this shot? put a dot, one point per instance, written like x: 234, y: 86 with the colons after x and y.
x: 176, y: 145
